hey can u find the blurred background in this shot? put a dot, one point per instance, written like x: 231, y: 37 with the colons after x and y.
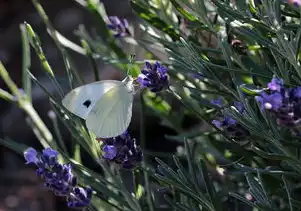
x: 20, y: 188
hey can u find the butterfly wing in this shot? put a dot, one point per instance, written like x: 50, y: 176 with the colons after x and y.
x: 82, y: 99
x: 112, y: 114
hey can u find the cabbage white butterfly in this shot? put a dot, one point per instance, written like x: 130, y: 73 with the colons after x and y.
x: 105, y: 105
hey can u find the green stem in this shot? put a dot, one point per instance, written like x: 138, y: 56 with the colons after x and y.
x: 9, y: 82
x: 26, y: 61
x: 27, y: 107
x: 6, y: 96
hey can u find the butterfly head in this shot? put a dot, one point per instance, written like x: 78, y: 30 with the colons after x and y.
x: 128, y: 81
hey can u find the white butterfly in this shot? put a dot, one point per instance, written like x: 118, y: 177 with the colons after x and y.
x: 105, y: 105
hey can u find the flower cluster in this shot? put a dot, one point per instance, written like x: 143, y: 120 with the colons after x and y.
x: 231, y: 127
x: 120, y: 27
x: 284, y: 103
x: 122, y: 150
x: 154, y: 77
x: 58, y: 177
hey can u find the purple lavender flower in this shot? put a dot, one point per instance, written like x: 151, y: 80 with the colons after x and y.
x: 239, y: 106
x: 217, y: 102
x: 225, y: 122
x: 122, y: 150
x: 110, y: 152
x: 276, y: 84
x: 57, y: 177
x: 154, y: 77
x: 231, y: 127
x: 272, y: 101
x: 284, y: 103
x: 120, y: 27
x: 30, y: 156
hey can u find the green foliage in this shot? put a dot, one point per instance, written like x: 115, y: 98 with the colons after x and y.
x: 212, y: 48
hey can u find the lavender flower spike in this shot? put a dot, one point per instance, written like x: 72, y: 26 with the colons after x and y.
x: 276, y: 84
x: 122, y: 150
x: 284, y: 103
x: 58, y: 177
x: 154, y: 77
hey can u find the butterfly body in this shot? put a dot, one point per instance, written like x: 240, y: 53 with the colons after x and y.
x: 105, y: 105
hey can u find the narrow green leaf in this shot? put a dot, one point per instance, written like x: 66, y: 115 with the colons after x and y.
x: 6, y: 95
x: 15, y: 146
x: 251, y: 90
x: 214, y: 198
x: 36, y: 43
x: 153, y: 19
x: 252, y: 7
x: 298, y: 45
x: 277, y: 8
x: 10, y: 84
x: 176, y: 205
x: 267, y: 155
x: 244, y: 200
x: 166, y: 170
x: 288, y: 193
x: 181, y: 171
x: 256, y: 189
x: 185, y: 190
x: 26, y: 62
x: 182, y: 11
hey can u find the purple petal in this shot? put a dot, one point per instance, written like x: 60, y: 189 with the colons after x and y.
x: 162, y: 70
x: 217, y: 123
x: 217, y: 102
x: 48, y: 152
x: 30, y: 156
x: 147, y: 65
x: 276, y: 84
x: 110, y: 152
x: 260, y: 100
x: 273, y: 101
x: 140, y: 79
x: 229, y: 121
